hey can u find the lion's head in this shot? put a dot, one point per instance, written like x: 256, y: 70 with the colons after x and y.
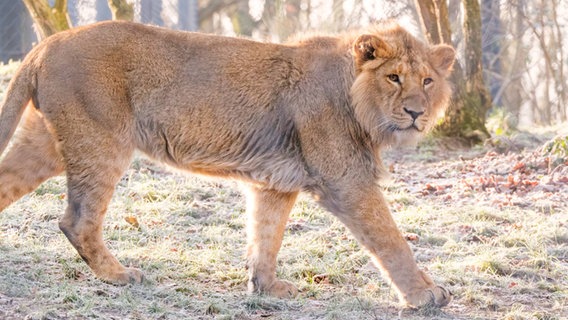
x: 400, y: 87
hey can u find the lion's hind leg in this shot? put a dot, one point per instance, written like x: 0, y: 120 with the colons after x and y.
x: 95, y: 159
x: 268, y: 212
x: 32, y: 159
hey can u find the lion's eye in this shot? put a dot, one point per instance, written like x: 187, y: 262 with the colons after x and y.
x: 394, y: 78
x: 427, y: 81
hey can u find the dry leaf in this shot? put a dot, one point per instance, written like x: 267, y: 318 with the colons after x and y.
x: 132, y: 221
x: 413, y: 237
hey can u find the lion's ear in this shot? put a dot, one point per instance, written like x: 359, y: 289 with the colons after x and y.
x: 442, y: 58
x: 369, y: 47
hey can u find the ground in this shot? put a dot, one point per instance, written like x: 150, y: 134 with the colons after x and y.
x: 490, y: 223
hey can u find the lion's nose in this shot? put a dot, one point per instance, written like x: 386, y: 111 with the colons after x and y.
x: 413, y: 114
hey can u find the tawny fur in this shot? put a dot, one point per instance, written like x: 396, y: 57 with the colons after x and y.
x: 307, y: 116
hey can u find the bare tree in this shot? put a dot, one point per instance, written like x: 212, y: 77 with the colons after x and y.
x: 338, y: 14
x: 550, y: 95
x: 209, y: 9
x: 121, y: 10
x: 242, y: 21
x: 282, y: 18
x: 52, y: 19
x: 48, y: 19
x: 491, y: 41
x: 514, y: 55
x: 465, y: 118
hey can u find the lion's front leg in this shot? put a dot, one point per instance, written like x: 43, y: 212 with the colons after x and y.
x: 367, y: 216
x: 268, y: 212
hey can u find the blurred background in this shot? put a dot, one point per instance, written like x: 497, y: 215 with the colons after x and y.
x: 511, y: 69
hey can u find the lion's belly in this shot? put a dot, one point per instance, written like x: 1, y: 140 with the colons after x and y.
x: 268, y: 154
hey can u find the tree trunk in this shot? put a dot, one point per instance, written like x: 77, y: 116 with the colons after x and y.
x: 121, y: 10
x: 338, y: 15
x: 208, y: 9
x: 434, y: 20
x: 492, y: 31
x: 241, y: 19
x: 150, y: 12
x: 465, y: 118
x: 48, y: 19
x: 512, y: 94
x: 561, y: 87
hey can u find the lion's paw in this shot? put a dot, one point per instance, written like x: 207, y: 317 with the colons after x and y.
x: 281, y: 289
x: 436, y: 296
x: 128, y: 275
x: 134, y: 275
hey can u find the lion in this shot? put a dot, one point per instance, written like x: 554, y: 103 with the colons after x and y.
x: 307, y: 116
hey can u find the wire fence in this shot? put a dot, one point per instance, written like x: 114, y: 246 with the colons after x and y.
x: 17, y: 34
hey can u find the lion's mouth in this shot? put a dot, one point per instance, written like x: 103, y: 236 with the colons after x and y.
x: 411, y: 127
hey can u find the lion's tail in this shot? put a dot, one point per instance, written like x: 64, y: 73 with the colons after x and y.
x: 20, y: 90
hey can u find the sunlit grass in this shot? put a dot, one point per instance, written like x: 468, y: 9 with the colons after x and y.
x: 190, y: 242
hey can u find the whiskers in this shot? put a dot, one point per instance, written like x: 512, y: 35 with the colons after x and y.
x: 385, y: 125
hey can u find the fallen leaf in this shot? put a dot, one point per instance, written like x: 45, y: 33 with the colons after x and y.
x: 321, y: 278
x: 563, y: 179
x: 413, y: 237
x: 132, y: 221
x: 519, y: 166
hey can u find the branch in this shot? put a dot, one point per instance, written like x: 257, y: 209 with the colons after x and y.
x: 212, y: 7
x: 121, y: 10
x: 48, y: 20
